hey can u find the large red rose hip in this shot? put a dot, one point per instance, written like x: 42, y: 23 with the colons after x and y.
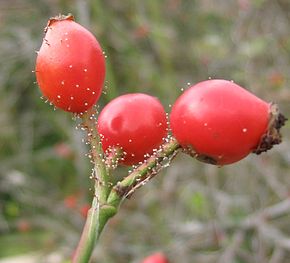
x: 70, y: 66
x: 220, y: 122
x: 136, y: 123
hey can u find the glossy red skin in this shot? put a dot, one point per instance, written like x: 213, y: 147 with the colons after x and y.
x: 219, y: 119
x: 70, y: 66
x: 134, y: 122
x: 156, y: 258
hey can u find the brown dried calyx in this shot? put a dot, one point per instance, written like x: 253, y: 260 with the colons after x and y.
x: 58, y: 18
x: 273, y: 135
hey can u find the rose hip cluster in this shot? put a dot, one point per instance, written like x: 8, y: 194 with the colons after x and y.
x: 216, y: 121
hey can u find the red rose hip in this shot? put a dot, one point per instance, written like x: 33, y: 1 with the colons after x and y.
x: 219, y: 122
x: 136, y: 123
x: 156, y: 258
x: 70, y: 66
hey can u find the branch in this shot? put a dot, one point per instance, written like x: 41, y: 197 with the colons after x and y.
x: 274, y: 235
x: 229, y: 254
x: 269, y: 213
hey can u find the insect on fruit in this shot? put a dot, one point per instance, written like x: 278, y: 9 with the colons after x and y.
x: 219, y: 122
x: 70, y: 66
x: 136, y: 123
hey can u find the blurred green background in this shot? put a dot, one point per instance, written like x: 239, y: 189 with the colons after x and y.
x: 193, y: 212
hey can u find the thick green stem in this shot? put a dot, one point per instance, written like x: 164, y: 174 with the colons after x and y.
x: 99, y: 213
x: 96, y: 220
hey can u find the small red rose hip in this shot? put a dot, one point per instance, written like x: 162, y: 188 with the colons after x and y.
x: 156, y: 258
x: 70, y: 201
x: 219, y: 122
x: 23, y: 226
x: 84, y: 210
x: 136, y: 123
x: 70, y: 66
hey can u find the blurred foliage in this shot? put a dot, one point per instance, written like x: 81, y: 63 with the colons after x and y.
x: 193, y: 212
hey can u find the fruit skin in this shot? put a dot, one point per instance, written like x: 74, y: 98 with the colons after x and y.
x: 156, y: 258
x: 70, y: 66
x: 220, y: 121
x: 135, y: 122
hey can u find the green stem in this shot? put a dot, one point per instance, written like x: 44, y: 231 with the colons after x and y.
x: 102, y: 185
x: 96, y: 220
x: 99, y: 213
x: 114, y: 157
x: 143, y: 173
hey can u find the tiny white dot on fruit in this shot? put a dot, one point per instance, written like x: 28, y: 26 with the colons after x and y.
x: 77, y: 85
x: 70, y: 66
x: 245, y: 130
x: 71, y: 97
